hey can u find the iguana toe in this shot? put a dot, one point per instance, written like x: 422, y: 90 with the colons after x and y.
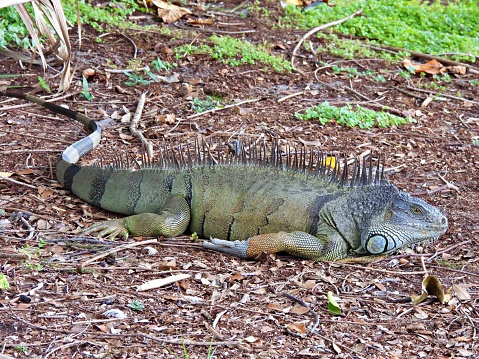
x: 111, y: 229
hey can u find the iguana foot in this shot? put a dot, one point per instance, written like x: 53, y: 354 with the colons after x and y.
x: 111, y: 229
x: 236, y: 248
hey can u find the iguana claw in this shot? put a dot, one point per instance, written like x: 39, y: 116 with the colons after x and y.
x: 111, y: 229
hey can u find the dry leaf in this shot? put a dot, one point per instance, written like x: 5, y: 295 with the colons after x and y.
x: 236, y: 276
x: 26, y: 171
x: 460, y: 70
x: 299, y: 309
x: 292, y: 2
x: 169, y: 119
x: 432, y: 286
x: 170, y: 13
x: 5, y: 174
x: 275, y: 306
x: 461, y: 292
x: 200, y: 21
x: 432, y: 67
x: 298, y: 327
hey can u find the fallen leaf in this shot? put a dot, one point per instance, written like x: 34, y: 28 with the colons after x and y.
x: 274, y: 306
x: 5, y: 174
x: 200, y: 21
x: 299, y: 309
x: 250, y: 339
x: 333, y: 307
x: 26, y: 171
x: 461, y: 293
x: 421, y: 314
x: 432, y: 67
x: 432, y: 286
x: 170, y: 13
x: 461, y: 70
x: 298, y: 327
x: 169, y: 119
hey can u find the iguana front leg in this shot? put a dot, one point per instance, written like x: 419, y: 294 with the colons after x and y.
x: 300, y: 244
x: 170, y: 222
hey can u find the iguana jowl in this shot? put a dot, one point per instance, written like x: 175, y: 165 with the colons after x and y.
x: 250, y: 206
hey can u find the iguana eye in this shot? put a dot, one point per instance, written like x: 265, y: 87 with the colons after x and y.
x: 416, y: 210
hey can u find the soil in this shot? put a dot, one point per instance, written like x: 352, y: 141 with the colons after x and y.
x: 60, y: 291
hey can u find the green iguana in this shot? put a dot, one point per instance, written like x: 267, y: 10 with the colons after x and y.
x: 250, y: 205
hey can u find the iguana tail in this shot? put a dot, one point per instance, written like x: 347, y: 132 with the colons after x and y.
x: 66, y: 165
x: 80, y: 148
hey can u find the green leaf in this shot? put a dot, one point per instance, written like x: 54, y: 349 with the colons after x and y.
x: 333, y: 307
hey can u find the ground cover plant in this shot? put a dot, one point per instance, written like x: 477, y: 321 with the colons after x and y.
x: 64, y: 295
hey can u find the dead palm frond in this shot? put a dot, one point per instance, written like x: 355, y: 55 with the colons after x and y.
x: 48, y: 23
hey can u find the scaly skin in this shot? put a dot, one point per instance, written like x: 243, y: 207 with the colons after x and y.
x: 248, y: 207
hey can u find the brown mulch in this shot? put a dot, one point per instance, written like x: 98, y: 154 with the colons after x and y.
x: 60, y: 292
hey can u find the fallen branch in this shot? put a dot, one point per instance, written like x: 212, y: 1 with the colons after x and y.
x: 319, y: 28
x: 472, y: 69
x: 114, y: 250
x: 134, y: 123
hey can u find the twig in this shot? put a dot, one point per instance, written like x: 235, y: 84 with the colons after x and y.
x: 134, y: 123
x: 17, y: 182
x: 472, y: 69
x: 441, y: 94
x: 448, y: 249
x: 116, y: 249
x: 31, y: 230
x: 364, y: 268
x: 423, y: 266
x: 291, y: 95
x: 224, y: 108
x: 319, y: 28
x: 304, y: 304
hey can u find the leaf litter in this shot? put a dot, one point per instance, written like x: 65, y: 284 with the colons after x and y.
x: 61, y: 286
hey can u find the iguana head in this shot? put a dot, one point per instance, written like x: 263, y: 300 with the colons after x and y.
x: 403, y: 222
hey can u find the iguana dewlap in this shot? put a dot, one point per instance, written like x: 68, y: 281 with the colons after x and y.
x: 249, y: 205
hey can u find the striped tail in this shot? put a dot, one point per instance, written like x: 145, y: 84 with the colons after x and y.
x: 66, y: 165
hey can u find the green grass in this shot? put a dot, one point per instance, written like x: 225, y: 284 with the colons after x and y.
x: 236, y: 52
x: 352, y: 116
x: 411, y: 25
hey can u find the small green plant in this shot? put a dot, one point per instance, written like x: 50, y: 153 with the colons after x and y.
x: 44, y: 84
x: 136, y: 305
x: 352, y: 117
x: 405, y: 73
x: 210, y: 103
x: 85, y: 92
x: 41, y: 243
x: 136, y: 79
x: 21, y: 348
x: 195, y: 237
x: 36, y: 267
x: 4, y: 285
x: 236, y: 52
x: 159, y: 65
x: 474, y: 82
x: 380, y: 78
x: 442, y: 78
